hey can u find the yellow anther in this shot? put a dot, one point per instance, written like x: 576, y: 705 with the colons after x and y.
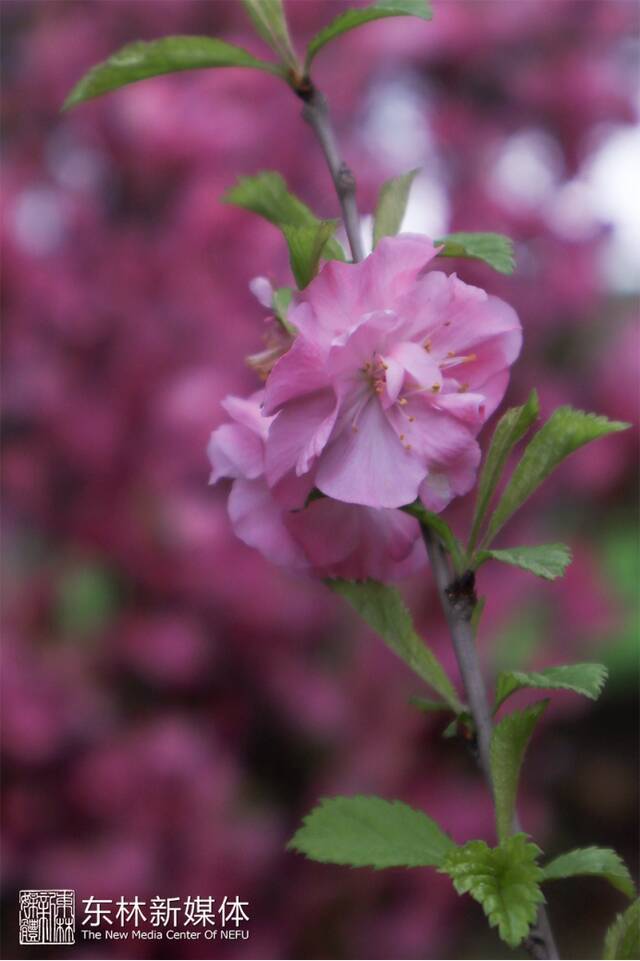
x: 435, y: 388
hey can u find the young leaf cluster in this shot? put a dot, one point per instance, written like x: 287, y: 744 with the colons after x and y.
x: 505, y: 880
x: 494, y: 249
x: 622, y: 941
x: 308, y: 238
x: 565, y: 432
x: 140, y: 61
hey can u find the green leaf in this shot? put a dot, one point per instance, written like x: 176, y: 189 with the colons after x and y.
x: 86, y: 600
x: 266, y: 194
x: 544, y: 560
x: 477, y: 613
x: 392, y: 204
x: 138, y: 61
x: 504, y: 880
x: 306, y: 247
x: 510, y: 428
x: 371, y: 832
x: 355, y: 18
x: 269, y: 19
x: 622, y: 940
x: 281, y: 301
x: 440, y: 527
x: 384, y: 610
x: 495, y: 249
x: 565, y: 431
x: 508, y: 745
x: 601, y: 862
x: 429, y: 707
x: 586, y: 679
x: 461, y: 726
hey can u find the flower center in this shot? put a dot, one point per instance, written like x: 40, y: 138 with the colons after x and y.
x: 375, y: 373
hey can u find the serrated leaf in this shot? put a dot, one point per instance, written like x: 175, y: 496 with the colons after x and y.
x: 511, y: 427
x: 270, y: 22
x: 504, y: 880
x: 371, y: 832
x: 440, y: 527
x: 586, y: 679
x: 392, y: 205
x: 355, y: 18
x: 494, y: 249
x: 266, y: 194
x: 601, y: 862
x: 509, y: 742
x: 141, y: 60
x: 384, y: 610
x: 306, y: 247
x: 565, y: 432
x: 544, y: 560
x: 622, y: 940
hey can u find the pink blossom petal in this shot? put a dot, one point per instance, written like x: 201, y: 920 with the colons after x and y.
x: 234, y: 451
x: 247, y: 411
x: 327, y: 530
x: 417, y: 362
x: 299, y: 372
x: 468, y: 407
x: 369, y: 465
x: 343, y: 540
x: 493, y: 391
x: 434, y: 436
x: 394, y: 266
x: 394, y: 380
x: 441, y: 485
x: 262, y: 290
x: 257, y: 520
x: 489, y: 323
x: 299, y: 433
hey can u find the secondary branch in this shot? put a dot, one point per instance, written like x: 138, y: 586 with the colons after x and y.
x: 458, y: 607
x: 316, y: 113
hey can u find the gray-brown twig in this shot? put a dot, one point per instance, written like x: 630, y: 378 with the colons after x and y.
x: 316, y: 113
x: 457, y: 611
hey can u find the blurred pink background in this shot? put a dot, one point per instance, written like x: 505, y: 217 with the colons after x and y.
x: 173, y: 704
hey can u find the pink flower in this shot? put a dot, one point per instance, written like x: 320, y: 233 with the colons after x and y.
x: 389, y: 380
x: 331, y: 538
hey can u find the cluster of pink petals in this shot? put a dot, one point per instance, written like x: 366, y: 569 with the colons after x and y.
x: 332, y: 538
x: 376, y: 404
